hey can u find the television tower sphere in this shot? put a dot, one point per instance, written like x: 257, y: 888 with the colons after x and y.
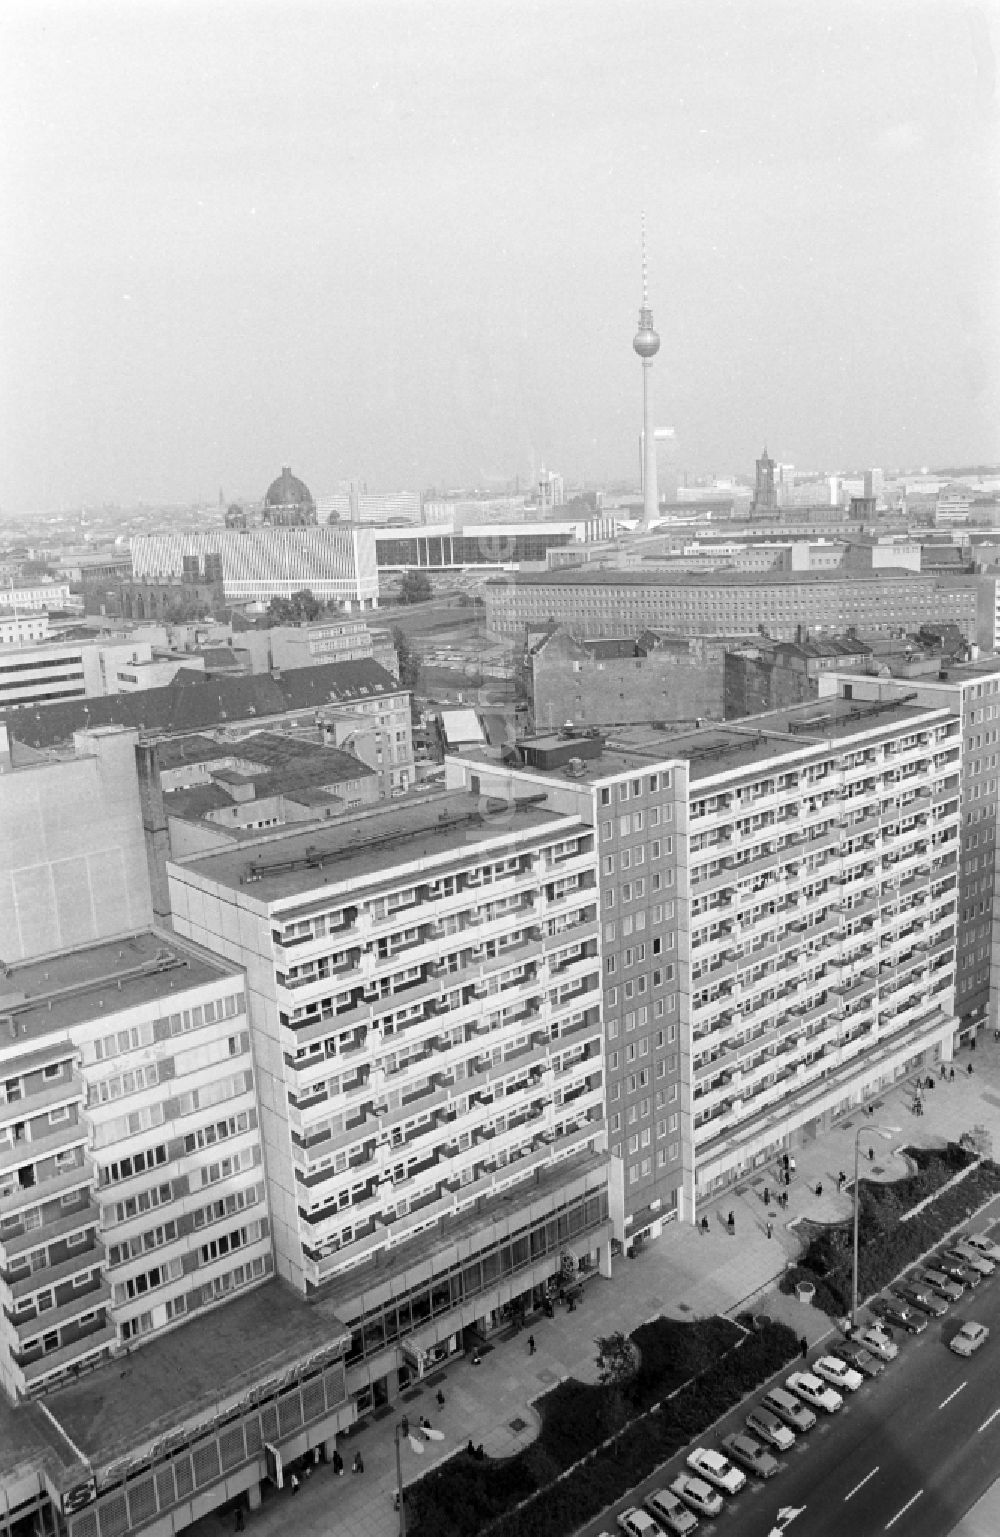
x: 646, y: 341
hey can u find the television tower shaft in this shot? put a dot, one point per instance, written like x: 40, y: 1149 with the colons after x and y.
x: 646, y: 343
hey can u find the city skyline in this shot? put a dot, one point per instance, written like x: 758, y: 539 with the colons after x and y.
x: 238, y: 243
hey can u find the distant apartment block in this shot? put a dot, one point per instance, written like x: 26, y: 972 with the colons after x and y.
x: 359, y: 505
x: 336, y: 562
x: 596, y: 603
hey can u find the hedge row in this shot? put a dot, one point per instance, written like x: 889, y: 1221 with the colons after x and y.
x: 466, y: 1497
x: 886, y: 1245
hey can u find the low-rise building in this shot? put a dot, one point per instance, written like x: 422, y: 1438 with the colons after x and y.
x: 653, y: 676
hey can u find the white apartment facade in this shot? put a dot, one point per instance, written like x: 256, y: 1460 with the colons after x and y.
x: 132, y: 1192
x: 53, y: 671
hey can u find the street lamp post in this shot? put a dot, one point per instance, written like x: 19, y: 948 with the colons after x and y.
x: 885, y: 1132
x: 399, y: 1484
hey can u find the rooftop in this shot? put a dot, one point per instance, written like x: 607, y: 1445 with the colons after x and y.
x: 605, y: 576
x: 196, y: 703
x: 360, y: 847
x: 48, y: 996
x: 723, y: 748
x: 135, y: 1400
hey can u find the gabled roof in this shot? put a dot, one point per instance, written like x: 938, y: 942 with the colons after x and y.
x: 193, y: 703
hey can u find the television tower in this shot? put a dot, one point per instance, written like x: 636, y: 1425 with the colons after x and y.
x: 647, y: 344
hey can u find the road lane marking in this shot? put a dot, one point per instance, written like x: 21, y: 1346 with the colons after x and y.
x: 904, y: 1509
x: 952, y: 1395
x: 990, y: 1420
x: 865, y: 1480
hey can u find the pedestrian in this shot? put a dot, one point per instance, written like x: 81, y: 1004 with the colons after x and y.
x: 241, y: 1520
x: 770, y: 1229
x: 731, y: 1223
x: 972, y: 1042
x: 704, y: 1224
x: 767, y: 1196
x: 531, y: 1344
x: 475, y: 1357
x: 338, y: 1463
x: 951, y: 1075
x: 359, y: 1465
x: 294, y: 1481
x: 404, y: 1425
x: 572, y: 1303
x: 841, y: 1181
x: 970, y: 1069
x: 944, y: 1072
x: 440, y: 1399
x: 791, y: 1164
x: 803, y: 1347
x: 871, y: 1155
x: 870, y: 1109
x: 819, y: 1187
x: 784, y: 1160
x: 788, y: 1178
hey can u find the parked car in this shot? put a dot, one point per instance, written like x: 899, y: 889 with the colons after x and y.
x: 672, y: 1514
x: 766, y: 1424
x: 716, y: 1469
x: 946, y: 1286
x: 860, y: 1359
x: 952, y: 1267
x: 898, y: 1314
x: 984, y: 1244
x: 815, y: 1392
x: 879, y: 1342
x: 790, y: 1409
x: 636, y: 1523
x: 838, y: 1373
x: 749, y: 1454
x: 968, y: 1254
x: 695, y: 1492
x: 969, y: 1338
x: 919, y: 1298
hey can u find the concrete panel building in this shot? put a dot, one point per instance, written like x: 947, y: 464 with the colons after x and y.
x: 335, y: 561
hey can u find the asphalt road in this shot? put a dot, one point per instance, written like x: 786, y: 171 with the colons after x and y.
x: 908, y: 1454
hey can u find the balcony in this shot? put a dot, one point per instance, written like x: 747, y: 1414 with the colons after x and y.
x: 100, y: 1343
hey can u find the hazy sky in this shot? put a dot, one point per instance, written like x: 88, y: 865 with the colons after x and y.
x: 401, y: 240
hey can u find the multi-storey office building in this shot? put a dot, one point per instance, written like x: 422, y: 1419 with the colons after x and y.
x: 593, y: 603
x: 778, y: 927
x: 972, y: 691
x: 424, y: 989
x: 131, y: 1189
x: 335, y: 561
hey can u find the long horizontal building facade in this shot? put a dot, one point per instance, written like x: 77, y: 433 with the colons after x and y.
x: 336, y: 562
x: 594, y: 603
x: 778, y: 928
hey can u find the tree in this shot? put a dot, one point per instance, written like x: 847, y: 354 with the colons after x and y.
x: 301, y: 607
x: 617, y: 1364
x: 409, y: 662
x: 415, y: 587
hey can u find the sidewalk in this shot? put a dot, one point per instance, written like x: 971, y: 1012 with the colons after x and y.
x: 685, y: 1274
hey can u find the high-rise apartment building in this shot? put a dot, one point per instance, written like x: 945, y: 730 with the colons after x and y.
x: 424, y: 990
x: 131, y: 1187
x: 778, y: 916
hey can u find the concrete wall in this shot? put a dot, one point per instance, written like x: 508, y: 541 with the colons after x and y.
x: 72, y: 858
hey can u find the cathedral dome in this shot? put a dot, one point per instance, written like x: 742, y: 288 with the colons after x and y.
x: 288, y: 491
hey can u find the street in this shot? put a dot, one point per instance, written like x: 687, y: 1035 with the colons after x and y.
x: 910, y: 1452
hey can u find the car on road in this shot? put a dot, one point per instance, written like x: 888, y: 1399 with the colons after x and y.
x: 859, y: 1359
x: 838, y: 1373
x: 716, y: 1469
x: 766, y: 1424
x: 919, y: 1298
x: 695, y: 1492
x: 749, y: 1454
x: 672, y: 1514
x: 636, y: 1523
x: 969, y: 1338
x: 946, y: 1286
x: 817, y: 1394
x: 878, y: 1341
x: 790, y: 1409
x: 952, y: 1267
x: 898, y: 1314
x: 984, y: 1243
x: 968, y: 1254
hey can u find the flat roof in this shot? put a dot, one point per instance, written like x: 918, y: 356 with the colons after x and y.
x: 137, y: 1398
x: 356, y: 848
x: 79, y: 986
x: 610, y: 576
x: 724, y: 746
